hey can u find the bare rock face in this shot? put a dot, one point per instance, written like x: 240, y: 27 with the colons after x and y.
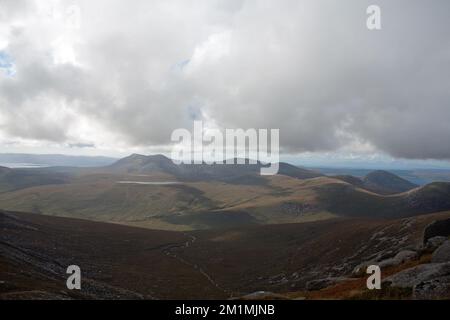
x: 433, y: 243
x: 401, y: 257
x: 412, y: 277
x: 438, y: 288
x: 442, y: 254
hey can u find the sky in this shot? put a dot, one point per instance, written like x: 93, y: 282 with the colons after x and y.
x: 107, y: 77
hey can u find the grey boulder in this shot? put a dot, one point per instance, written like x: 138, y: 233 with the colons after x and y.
x: 434, y: 243
x: 401, y: 257
x: 412, y: 277
x: 442, y: 254
x: 438, y: 288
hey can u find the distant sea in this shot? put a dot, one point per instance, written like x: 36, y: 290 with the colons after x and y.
x: 22, y: 165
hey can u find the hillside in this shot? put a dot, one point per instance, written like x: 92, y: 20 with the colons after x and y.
x: 379, y: 181
x: 350, y: 201
x: 416, y: 176
x: 231, y: 173
x: 16, y: 179
x: 385, y: 182
x: 120, y: 262
x: 153, y: 192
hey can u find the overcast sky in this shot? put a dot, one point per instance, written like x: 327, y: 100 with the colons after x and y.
x: 115, y: 77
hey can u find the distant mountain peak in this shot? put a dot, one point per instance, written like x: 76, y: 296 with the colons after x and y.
x: 159, y: 157
x: 379, y: 181
x: 386, y: 182
x: 381, y: 173
x: 135, y: 155
x: 234, y: 171
x: 138, y: 156
x: 384, y: 176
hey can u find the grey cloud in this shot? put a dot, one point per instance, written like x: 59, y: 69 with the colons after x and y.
x: 13, y: 8
x: 310, y: 68
x: 81, y: 145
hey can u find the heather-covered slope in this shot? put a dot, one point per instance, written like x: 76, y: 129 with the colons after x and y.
x: 124, y: 262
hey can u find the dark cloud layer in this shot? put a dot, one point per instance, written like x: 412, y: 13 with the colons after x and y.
x: 311, y: 68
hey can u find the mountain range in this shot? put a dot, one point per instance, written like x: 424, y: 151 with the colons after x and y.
x: 144, y: 227
x: 154, y: 192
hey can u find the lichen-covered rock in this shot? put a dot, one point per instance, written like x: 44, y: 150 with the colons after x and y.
x: 442, y: 254
x: 438, y: 288
x: 434, y: 243
x: 401, y: 257
x: 411, y: 277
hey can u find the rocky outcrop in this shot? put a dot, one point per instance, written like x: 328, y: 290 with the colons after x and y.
x: 442, y: 254
x: 401, y: 257
x: 412, y: 277
x: 433, y: 243
x: 438, y: 288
